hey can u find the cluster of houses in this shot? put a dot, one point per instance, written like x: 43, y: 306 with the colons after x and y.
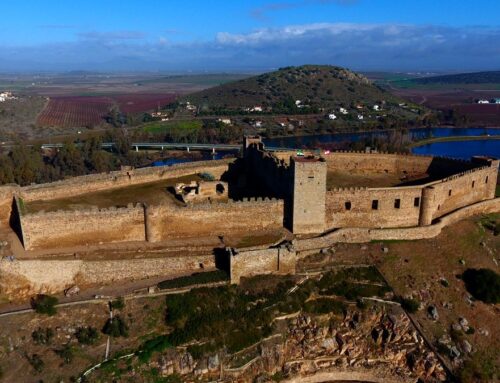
x: 492, y: 101
x: 344, y: 111
x: 163, y: 116
x: 4, y: 96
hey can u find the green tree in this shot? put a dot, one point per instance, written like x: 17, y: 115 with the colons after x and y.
x: 483, y: 284
x: 116, y: 327
x: 44, y: 304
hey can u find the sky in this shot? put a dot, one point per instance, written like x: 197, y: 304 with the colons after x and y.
x: 246, y: 36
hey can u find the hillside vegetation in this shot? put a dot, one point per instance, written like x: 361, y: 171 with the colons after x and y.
x: 462, y: 78
x: 318, y: 88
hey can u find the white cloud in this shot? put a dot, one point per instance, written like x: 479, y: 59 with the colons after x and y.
x: 359, y: 46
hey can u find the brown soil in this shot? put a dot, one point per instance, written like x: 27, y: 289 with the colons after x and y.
x: 340, y: 179
x: 151, y: 193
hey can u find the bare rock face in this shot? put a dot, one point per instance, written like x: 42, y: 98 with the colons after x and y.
x: 374, y: 343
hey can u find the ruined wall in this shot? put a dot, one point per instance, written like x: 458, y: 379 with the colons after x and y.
x: 452, y: 193
x: 248, y: 263
x: 273, y: 172
x: 213, y: 219
x: 75, y: 228
x: 355, y: 207
x: 107, y: 181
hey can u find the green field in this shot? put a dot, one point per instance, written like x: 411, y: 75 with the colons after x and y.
x: 162, y: 127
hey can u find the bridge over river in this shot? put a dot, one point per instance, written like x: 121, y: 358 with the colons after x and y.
x: 171, y: 146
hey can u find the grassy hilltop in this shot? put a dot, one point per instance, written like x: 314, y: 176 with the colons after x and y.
x: 316, y: 86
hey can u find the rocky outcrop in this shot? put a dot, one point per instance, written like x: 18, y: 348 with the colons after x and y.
x: 378, y: 345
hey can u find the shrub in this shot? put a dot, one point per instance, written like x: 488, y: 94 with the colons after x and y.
x: 324, y: 306
x: 207, y: 176
x: 44, y: 304
x: 410, y: 305
x: 36, y: 362
x: 194, y: 279
x: 87, y: 335
x: 117, y: 304
x: 480, y: 368
x: 42, y: 336
x: 483, y: 284
x: 115, y: 327
x: 66, y: 353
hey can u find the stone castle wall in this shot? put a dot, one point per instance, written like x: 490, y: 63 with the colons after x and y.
x: 52, y: 276
x: 353, y: 207
x: 213, y: 219
x: 81, y: 227
x: 117, y: 179
x: 247, y: 263
x: 442, y: 197
x: 395, y: 163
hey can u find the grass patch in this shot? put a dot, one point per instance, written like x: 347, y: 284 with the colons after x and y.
x: 163, y: 127
x: 194, y: 279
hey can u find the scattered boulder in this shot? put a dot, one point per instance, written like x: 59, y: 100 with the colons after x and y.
x: 433, y: 312
x: 464, y: 323
x: 454, y: 353
x: 466, y: 347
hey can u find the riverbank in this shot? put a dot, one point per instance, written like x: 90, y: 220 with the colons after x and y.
x: 452, y: 139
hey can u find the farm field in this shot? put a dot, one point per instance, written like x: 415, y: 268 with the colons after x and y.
x: 138, y: 102
x: 90, y: 111
x: 75, y: 111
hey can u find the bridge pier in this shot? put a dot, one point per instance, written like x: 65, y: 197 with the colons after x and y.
x: 187, y: 149
x: 213, y: 150
x: 136, y: 148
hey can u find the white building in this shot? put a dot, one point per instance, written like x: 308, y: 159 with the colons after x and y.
x: 360, y: 117
x: 225, y: 121
x: 298, y: 102
x: 332, y: 116
x: 343, y: 110
x: 376, y: 107
x: 483, y: 102
x: 256, y: 108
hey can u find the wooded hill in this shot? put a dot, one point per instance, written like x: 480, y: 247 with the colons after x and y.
x: 318, y: 88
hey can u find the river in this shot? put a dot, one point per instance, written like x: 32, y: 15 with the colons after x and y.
x: 454, y: 149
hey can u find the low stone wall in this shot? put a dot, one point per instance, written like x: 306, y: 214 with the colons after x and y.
x: 74, y: 228
x: 51, y: 276
x: 213, y: 219
x: 279, y: 260
x: 117, y: 179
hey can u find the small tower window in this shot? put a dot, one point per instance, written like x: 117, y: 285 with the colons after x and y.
x: 473, y: 183
x: 449, y: 193
x: 348, y: 205
x: 486, y: 180
x: 416, y: 202
x: 375, y: 204
x: 397, y: 203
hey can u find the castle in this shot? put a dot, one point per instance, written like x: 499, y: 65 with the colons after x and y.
x: 289, y: 191
x: 343, y: 196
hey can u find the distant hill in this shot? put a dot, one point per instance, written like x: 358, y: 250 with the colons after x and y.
x: 462, y: 78
x: 317, y: 87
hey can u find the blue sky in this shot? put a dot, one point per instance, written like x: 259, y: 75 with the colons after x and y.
x: 241, y: 35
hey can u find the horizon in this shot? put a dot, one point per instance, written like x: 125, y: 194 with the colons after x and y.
x: 238, y: 37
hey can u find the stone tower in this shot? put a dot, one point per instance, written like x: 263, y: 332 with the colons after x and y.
x: 308, y: 195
